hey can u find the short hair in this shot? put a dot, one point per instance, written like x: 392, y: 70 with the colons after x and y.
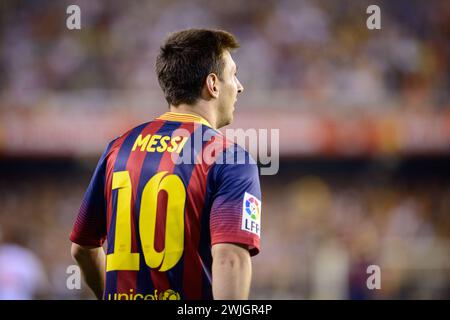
x: 186, y: 59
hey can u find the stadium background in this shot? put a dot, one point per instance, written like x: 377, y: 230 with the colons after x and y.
x: 364, y: 123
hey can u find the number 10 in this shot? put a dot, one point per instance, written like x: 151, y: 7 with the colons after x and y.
x: 123, y: 258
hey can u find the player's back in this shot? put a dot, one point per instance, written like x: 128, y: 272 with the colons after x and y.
x: 156, y: 191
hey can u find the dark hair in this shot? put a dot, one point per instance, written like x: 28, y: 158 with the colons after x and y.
x: 186, y: 59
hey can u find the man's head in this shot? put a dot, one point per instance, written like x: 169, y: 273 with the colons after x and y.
x: 196, y: 64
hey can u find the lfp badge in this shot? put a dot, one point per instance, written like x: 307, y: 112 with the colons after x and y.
x: 251, y: 214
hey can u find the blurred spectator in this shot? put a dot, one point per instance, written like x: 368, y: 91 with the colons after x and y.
x: 22, y: 276
x: 320, y: 50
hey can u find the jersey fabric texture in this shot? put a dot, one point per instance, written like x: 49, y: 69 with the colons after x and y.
x: 161, y: 195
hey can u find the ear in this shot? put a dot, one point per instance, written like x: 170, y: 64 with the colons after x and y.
x: 212, y: 85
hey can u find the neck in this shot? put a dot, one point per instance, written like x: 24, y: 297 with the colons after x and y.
x: 199, y: 109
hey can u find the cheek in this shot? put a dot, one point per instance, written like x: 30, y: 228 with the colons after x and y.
x: 232, y: 88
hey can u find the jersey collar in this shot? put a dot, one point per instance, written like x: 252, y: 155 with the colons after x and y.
x: 183, y: 117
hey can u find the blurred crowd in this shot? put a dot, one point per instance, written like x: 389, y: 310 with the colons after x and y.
x: 321, y: 51
x: 322, y: 229
x: 334, y: 222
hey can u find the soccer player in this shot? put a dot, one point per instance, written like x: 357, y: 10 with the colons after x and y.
x: 175, y: 229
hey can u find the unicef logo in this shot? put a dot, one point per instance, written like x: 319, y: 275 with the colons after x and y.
x: 252, y: 208
x: 169, y: 295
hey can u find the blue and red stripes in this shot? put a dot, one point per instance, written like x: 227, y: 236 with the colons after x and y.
x: 189, y: 277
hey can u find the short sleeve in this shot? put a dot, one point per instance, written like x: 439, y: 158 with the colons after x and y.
x: 90, y: 225
x: 236, y: 208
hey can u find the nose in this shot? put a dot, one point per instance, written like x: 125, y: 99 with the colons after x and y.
x: 240, y: 88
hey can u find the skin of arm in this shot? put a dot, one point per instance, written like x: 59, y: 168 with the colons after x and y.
x: 231, y: 272
x: 92, y: 264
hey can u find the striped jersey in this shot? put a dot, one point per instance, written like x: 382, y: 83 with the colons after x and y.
x: 161, y: 195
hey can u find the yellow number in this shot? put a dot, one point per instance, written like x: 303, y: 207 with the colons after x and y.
x: 174, y: 239
x: 122, y: 258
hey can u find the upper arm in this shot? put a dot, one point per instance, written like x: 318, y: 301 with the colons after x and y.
x: 90, y: 226
x: 78, y: 251
x: 236, y: 207
x: 231, y: 271
x: 229, y: 251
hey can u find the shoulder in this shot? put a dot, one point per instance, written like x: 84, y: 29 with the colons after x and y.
x: 234, y: 162
x: 227, y: 151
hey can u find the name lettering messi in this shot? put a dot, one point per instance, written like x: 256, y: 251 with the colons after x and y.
x: 159, y: 143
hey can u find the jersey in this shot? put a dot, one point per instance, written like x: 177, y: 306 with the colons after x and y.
x: 161, y: 196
